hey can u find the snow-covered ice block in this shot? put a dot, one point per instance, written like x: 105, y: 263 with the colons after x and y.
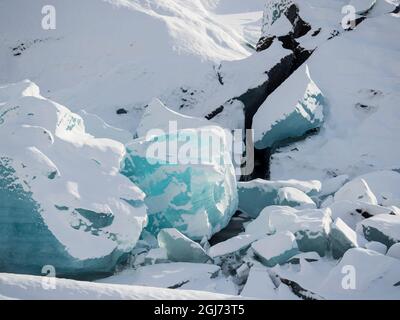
x: 353, y: 212
x: 310, y: 226
x: 384, y: 228
x: 188, y: 178
x: 376, y: 246
x: 276, y: 249
x: 261, y: 225
x: 356, y: 190
x: 342, y: 238
x: 293, y: 197
x: 180, y: 248
x: 62, y: 201
x: 257, y: 194
x: 289, y: 113
x: 363, y: 274
x: 235, y: 244
x: 394, y: 251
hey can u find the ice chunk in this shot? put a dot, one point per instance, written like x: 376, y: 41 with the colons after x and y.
x: 364, y: 274
x: 62, y: 201
x: 289, y: 114
x: 394, y: 251
x: 311, y: 227
x: 276, y: 249
x: 356, y: 190
x: 180, y: 248
x: 235, y: 244
x: 376, y: 246
x: 261, y: 225
x: 342, y: 238
x: 385, y: 186
x: 194, y: 191
x: 293, y: 197
x: 156, y: 256
x: 257, y: 194
x: 384, y: 228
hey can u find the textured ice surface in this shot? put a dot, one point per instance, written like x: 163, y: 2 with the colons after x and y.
x: 180, y: 248
x: 276, y: 249
x: 257, y: 194
x: 290, y: 115
x: 384, y: 228
x: 62, y: 201
x: 194, y: 190
x: 232, y: 245
x: 342, y: 238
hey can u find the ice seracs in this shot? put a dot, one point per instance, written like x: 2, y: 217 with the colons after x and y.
x: 63, y: 202
x: 356, y: 190
x: 290, y: 112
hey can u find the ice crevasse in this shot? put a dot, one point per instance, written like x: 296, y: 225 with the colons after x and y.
x: 63, y: 202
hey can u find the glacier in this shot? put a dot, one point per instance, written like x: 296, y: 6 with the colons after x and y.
x: 63, y: 202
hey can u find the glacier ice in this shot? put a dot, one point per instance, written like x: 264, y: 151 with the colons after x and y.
x: 342, y: 238
x: 193, y: 191
x: 286, y: 117
x: 384, y: 228
x: 276, y: 249
x: 257, y: 194
x: 62, y: 201
x: 156, y: 256
x: 310, y: 226
x: 180, y: 248
x: 293, y: 197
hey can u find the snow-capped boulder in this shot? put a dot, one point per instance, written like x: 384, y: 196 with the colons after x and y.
x: 257, y: 194
x: 63, y: 202
x: 276, y: 249
x: 188, y: 178
x: 180, y: 248
x: 289, y: 112
x: 342, y: 238
x: 384, y: 228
